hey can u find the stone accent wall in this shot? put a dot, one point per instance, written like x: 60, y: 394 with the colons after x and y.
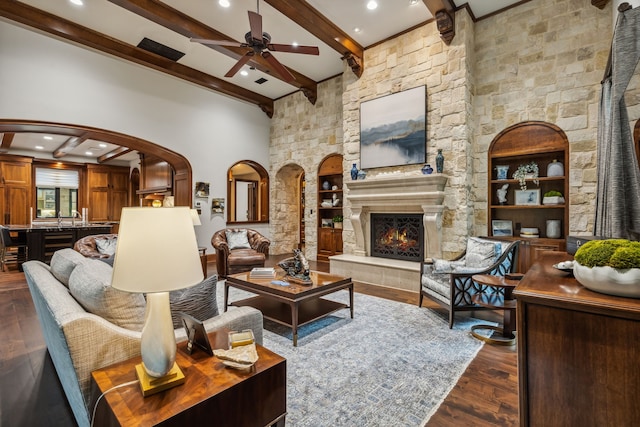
x: 302, y: 135
x: 543, y: 60
x: 417, y: 58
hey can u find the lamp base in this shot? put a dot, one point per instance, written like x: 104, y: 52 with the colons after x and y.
x: 152, y: 385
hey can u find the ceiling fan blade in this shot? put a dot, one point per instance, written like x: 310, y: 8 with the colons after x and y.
x: 219, y: 42
x: 255, y: 23
x: 278, y: 67
x: 307, y: 50
x: 232, y: 72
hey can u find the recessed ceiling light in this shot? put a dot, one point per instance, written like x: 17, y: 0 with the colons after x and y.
x: 39, y: 147
x: 357, y: 29
x: 294, y: 44
x: 372, y: 5
x: 88, y: 153
x: 244, y: 73
x: 413, y: 1
x: 77, y: 2
x: 224, y: 3
x: 48, y: 138
x: 103, y: 145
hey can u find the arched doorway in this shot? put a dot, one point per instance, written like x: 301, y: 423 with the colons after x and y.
x: 181, y: 167
x: 286, y: 216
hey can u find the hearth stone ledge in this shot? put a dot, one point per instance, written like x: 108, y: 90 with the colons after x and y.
x: 391, y: 273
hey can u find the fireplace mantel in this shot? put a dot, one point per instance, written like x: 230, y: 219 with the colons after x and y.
x: 398, y: 194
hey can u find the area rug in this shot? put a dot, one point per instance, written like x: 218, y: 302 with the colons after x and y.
x: 391, y: 365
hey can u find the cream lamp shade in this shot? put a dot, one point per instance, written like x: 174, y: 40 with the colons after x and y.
x: 156, y: 253
x: 195, y: 217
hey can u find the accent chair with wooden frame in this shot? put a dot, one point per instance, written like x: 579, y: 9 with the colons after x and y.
x: 449, y: 282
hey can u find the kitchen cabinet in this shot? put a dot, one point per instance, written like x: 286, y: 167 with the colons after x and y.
x: 524, y: 143
x: 329, y: 206
x: 107, y: 191
x: 15, y: 189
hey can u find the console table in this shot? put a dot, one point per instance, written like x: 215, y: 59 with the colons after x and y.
x: 212, y: 394
x: 578, y: 351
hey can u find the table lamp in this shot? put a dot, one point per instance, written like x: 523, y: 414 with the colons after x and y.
x: 157, y: 252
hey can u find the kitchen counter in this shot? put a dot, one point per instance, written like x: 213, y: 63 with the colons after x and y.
x: 65, y: 225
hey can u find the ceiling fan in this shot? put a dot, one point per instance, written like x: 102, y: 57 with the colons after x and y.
x: 259, y: 43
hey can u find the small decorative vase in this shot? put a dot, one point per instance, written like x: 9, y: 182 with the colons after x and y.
x: 362, y: 174
x: 555, y: 168
x: 439, y: 161
x: 326, y: 185
x: 354, y: 172
x: 553, y: 228
x: 427, y: 170
x: 502, y: 172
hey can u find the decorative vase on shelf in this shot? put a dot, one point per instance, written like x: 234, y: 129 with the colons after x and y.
x: 354, y: 172
x: 427, y: 170
x: 502, y: 171
x: 555, y: 168
x: 439, y: 161
x: 362, y: 174
x: 326, y: 185
x: 553, y: 228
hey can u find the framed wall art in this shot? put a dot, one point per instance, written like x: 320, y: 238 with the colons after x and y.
x: 528, y: 197
x: 393, y: 129
x: 501, y: 227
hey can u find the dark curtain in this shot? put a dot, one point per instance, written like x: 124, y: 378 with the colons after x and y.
x: 618, y: 198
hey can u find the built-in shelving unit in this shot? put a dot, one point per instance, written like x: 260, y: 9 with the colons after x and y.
x: 541, y: 143
x: 329, y: 237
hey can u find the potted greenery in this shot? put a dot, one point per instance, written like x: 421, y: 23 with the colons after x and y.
x: 337, y: 221
x: 526, y: 171
x: 610, y: 266
x: 552, y: 197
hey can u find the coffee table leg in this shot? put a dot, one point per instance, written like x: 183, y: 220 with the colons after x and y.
x: 351, y: 299
x: 226, y: 295
x: 294, y: 323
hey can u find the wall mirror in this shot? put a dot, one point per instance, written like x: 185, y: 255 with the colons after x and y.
x: 247, y: 193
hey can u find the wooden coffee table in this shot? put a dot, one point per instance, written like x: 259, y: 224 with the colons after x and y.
x: 293, y: 305
x: 212, y: 393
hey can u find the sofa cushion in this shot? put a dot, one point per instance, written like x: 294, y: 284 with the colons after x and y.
x: 199, y: 301
x: 63, y: 262
x: 106, y: 246
x: 481, y: 252
x: 237, y: 239
x: 90, y: 285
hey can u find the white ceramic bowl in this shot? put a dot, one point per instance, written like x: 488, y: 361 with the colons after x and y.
x: 607, y: 280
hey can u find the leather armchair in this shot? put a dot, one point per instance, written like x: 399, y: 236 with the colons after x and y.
x: 231, y: 261
x: 87, y: 245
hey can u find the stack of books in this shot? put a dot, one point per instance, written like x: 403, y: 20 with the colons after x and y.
x: 263, y: 273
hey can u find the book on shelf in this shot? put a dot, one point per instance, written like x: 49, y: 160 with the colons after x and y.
x: 266, y: 272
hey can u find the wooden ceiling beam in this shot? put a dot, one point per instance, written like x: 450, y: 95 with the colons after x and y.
x: 43, y: 21
x: 69, y: 145
x: 185, y: 25
x: 445, y: 13
x: 7, y: 140
x: 114, y: 154
x: 317, y: 24
x: 600, y: 4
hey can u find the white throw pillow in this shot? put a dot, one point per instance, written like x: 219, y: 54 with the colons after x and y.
x: 106, y: 246
x: 237, y: 239
x: 90, y: 285
x: 481, y: 253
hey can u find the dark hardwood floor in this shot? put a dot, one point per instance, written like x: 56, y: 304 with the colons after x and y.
x: 31, y: 395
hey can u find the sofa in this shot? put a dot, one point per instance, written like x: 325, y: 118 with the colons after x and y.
x: 238, y: 250
x: 88, y: 325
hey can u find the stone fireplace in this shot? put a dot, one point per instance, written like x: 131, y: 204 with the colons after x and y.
x: 396, y: 236
x: 396, y: 194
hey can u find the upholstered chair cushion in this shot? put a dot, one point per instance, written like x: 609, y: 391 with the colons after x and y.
x: 446, y: 266
x: 199, y: 301
x: 237, y: 239
x: 90, y: 285
x: 106, y: 246
x: 481, y: 252
x: 63, y: 262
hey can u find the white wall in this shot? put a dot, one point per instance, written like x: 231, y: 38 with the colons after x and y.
x: 42, y: 78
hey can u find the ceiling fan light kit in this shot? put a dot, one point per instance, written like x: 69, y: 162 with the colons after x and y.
x: 260, y: 44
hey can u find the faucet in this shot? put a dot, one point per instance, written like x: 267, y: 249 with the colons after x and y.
x: 74, y: 215
x: 59, y: 218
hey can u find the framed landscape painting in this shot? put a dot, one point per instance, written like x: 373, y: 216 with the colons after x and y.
x: 393, y: 129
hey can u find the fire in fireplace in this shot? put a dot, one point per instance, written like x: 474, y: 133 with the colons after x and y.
x: 397, y: 236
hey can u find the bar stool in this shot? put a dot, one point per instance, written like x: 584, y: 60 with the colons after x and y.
x: 11, y: 250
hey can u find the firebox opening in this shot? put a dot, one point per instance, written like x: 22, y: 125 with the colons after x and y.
x: 397, y: 236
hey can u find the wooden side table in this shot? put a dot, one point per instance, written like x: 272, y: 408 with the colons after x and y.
x: 497, y: 302
x: 212, y: 393
x: 203, y: 259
